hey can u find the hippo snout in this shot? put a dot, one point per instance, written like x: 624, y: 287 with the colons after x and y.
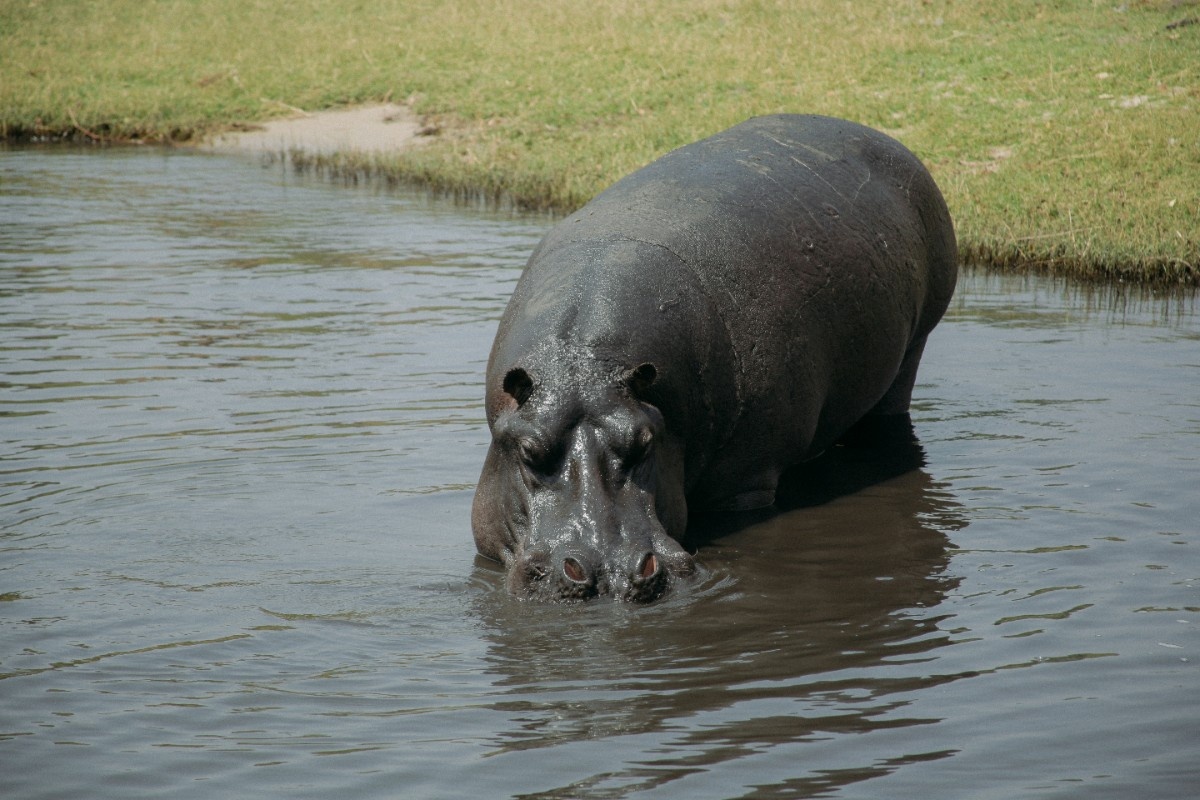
x: 578, y: 574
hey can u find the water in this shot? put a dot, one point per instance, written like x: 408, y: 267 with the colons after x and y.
x: 241, y: 422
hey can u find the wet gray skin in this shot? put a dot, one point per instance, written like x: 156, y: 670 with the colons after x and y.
x: 709, y: 321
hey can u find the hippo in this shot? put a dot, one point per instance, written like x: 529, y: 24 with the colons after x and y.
x: 718, y: 316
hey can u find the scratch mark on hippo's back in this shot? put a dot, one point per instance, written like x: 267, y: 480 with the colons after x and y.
x: 858, y: 191
x: 822, y: 179
x: 800, y: 145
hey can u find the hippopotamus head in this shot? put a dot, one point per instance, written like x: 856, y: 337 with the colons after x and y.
x: 582, y: 490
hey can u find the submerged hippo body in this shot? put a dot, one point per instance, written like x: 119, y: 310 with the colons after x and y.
x: 726, y: 312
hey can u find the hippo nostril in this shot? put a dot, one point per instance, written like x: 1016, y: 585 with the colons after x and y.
x: 649, y: 567
x: 534, y: 565
x: 574, y: 570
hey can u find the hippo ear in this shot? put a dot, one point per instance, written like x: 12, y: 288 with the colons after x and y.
x: 518, y: 385
x: 640, y: 378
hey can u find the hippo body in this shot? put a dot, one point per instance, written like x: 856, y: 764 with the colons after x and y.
x: 716, y: 317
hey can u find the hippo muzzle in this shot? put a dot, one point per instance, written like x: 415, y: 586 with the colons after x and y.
x: 571, y: 572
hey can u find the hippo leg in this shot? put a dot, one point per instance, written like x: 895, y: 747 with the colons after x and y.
x: 899, y: 394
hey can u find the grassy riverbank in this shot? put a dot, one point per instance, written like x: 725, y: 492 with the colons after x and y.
x: 1066, y: 136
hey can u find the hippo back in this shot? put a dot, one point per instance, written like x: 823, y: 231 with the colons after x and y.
x: 777, y: 274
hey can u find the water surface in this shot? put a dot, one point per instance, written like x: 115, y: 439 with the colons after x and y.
x: 240, y: 424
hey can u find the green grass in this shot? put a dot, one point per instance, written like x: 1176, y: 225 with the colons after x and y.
x: 1065, y: 135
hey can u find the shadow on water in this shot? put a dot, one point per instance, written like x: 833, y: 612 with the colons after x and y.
x: 793, y: 632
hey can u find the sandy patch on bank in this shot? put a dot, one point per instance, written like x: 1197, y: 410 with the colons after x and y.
x: 386, y: 128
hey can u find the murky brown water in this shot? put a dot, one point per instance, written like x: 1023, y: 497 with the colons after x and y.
x: 240, y: 421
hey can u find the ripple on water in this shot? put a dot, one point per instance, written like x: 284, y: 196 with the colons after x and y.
x: 241, y: 423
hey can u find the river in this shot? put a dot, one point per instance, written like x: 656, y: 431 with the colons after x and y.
x: 240, y: 426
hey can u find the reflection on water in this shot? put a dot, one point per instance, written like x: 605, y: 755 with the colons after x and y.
x: 780, y: 644
x: 240, y: 421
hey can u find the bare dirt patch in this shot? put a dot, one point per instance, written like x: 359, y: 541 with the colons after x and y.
x: 385, y: 128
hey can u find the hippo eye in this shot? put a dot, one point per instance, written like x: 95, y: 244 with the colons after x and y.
x: 531, y: 454
x: 640, y: 447
x: 536, y: 457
